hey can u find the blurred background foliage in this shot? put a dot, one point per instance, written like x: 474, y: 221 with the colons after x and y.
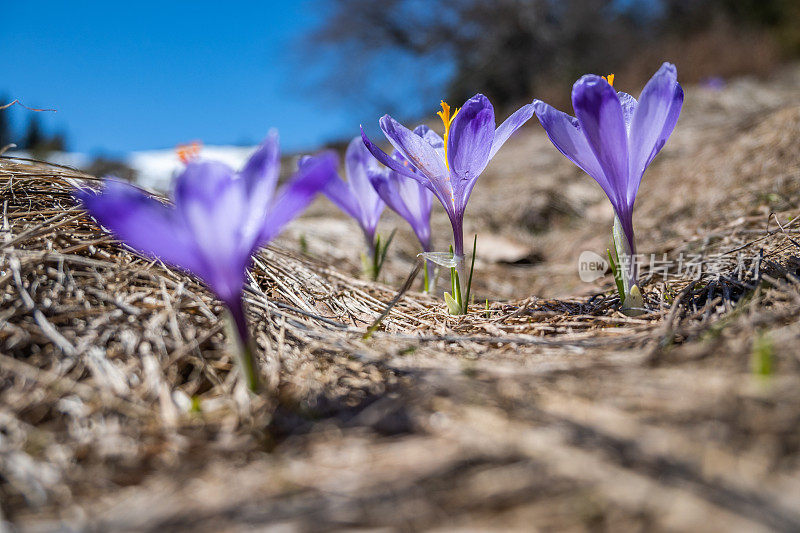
x: 33, y: 138
x: 512, y: 50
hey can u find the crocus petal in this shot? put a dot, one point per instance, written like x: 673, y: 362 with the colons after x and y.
x: 469, y: 144
x: 389, y: 161
x: 203, y: 181
x: 260, y: 172
x: 440, y: 188
x: 407, y: 198
x: 658, y: 109
x: 260, y: 176
x: 298, y: 193
x: 432, y: 138
x: 672, y: 118
x: 302, y: 160
x: 386, y: 184
x: 419, y: 201
x: 565, y: 133
x: 357, y: 161
x: 338, y: 192
x: 214, y: 204
x: 629, y: 105
x: 509, y: 126
x: 143, y: 223
x: 601, y: 119
x: 417, y: 150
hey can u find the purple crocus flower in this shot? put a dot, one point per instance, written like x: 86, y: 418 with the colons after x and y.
x: 219, y: 219
x: 450, y: 166
x: 356, y: 196
x: 613, y: 137
x: 408, y: 198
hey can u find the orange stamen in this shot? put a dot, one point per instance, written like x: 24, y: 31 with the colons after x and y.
x: 444, y: 114
x: 187, y: 152
x: 609, y: 79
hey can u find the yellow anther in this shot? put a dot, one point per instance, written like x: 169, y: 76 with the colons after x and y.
x: 444, y: 114
x: 609, y: 79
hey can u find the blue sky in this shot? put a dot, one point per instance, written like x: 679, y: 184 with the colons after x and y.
x: 141, y: 75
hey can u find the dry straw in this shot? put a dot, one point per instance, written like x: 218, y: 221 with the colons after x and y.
x: 114, y: 366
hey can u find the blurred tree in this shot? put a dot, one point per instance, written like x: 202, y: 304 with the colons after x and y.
x: 6, y: 134
x: 779, y: 17
x: 504, y: 48
x: 33, y: 138
x: 38, y: 142
x: 514, y: 49
x: 56, y: 142
x: 103, y: 167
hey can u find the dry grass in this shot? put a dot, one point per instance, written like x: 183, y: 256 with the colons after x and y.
x: 120, y: 407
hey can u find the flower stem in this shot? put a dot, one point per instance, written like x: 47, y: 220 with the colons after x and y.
x: 626, y: 266
x: 243, y: 343
x: 429, y: 278
x: 426, y: 282
x: 455, y: 303
x: 373, y: 250
x: 458, y: 256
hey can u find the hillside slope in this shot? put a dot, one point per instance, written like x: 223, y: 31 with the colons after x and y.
x: 120, y: 407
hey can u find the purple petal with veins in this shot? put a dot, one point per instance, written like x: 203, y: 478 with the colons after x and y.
x: 615, y: 137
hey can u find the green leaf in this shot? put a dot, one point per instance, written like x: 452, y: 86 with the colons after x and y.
x: 196, y: 406
x: 452, y: 305
x: 376, y: 251
x: 457, y: 288
x: 471, y: 269
x: 617, y: 279
x: 454, y: 285
x: 763, y: 355
x: 366, y: 264
x: 381, y: 254
x: 634, y: 303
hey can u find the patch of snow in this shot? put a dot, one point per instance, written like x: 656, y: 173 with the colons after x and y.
x: 157, y: 168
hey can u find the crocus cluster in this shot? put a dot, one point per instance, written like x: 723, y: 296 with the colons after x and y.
x: 369, y: 188
x: 450, y: 166
x: 357, y: 198
x: 408, y: 198
x: 219, y: 219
